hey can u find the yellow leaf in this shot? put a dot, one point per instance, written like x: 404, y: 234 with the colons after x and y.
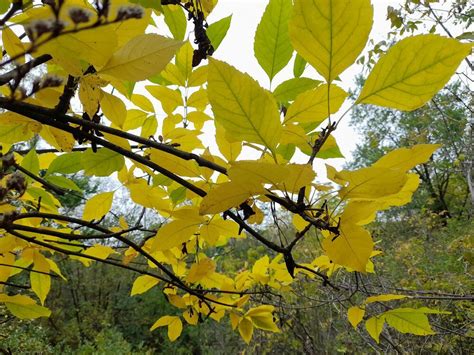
x: 298, y: 175
x: 16, y: 299
x: 191, y: 316
x: 198, y: 100
x: 99, y: 251
x: 374, y: 326
x: 12, y: 44
x: 150, y: 125
x: 384, y: 298
x: 256, y: 172
x: 175, y: 326
x: 55, y: 268
x: 218, y: 228
x: 40, y: 282
x: 149, y: 196
x: 262, y: 317
x: 170, y: 99
x: 142, y: 284
x: 312, y: 106
x: 126, y: 30
x: 330, y: 34
x: 352, y: 248
x: 98, y: 206
x: 94, y: 46
x: 174, y: 234
x: 234, y: 319
x: 409, y: 320
x: 299, y: 223
x: 174, y: 164
x: 198, y: 76
x: 24, y: 307
x: 227, y: 195
x: 355, y: 314
x: 134, y: 119
x: 246, y: 329
x: 142, y: 102
x: 230, y: 150
x: 407, y: 158
x: 242, y: 107
x: 184, y: 60
x: 413, y: 71
x: 114, y: 109
x: 290, y: 177
x: 201, y: 270
x: 142, y: 57
x: 63, y: 141
x: 371, y: 182
x: 90, y: 93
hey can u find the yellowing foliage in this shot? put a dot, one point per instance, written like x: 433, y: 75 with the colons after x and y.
x: 218, y: 160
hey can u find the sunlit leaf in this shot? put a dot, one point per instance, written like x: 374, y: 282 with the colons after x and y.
x: 242, y: 107
x: 272, y: 45
x: 330, y: 34
x: 413, y: 71
x: 142, y: 57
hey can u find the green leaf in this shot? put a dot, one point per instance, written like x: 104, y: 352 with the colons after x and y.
x: 413, y: 71
x: 409, y: 320
x: 330, y: 34
x: 4, y: 5
x: 30, y: 162
x: 62, y: 182
x: 289, y: 89
x: 242, y: 107
x: 272, y: 45
x: 217, y: 31
x: 175, y: 19
x: 102, y: 163
x: 299, y: 66
x: 68, y: 163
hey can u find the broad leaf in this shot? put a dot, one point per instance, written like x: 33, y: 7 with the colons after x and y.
x: 355, y: 314
x: 142, y: 284
x: 289, y: 89
x: 217, y: 31
x: 384, y: 298
x: 175, y: 326
x: 413, y: 71
x: 98, y: 206
x: 141, y: 57
x: 242, y: 107
x: 272, y: 45
x: 101, y: 163
x: 374, y: 326
x: 314, y: 106
x: 351, y: 248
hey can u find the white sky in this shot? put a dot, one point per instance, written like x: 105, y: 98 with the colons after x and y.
x: 237, y: 49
